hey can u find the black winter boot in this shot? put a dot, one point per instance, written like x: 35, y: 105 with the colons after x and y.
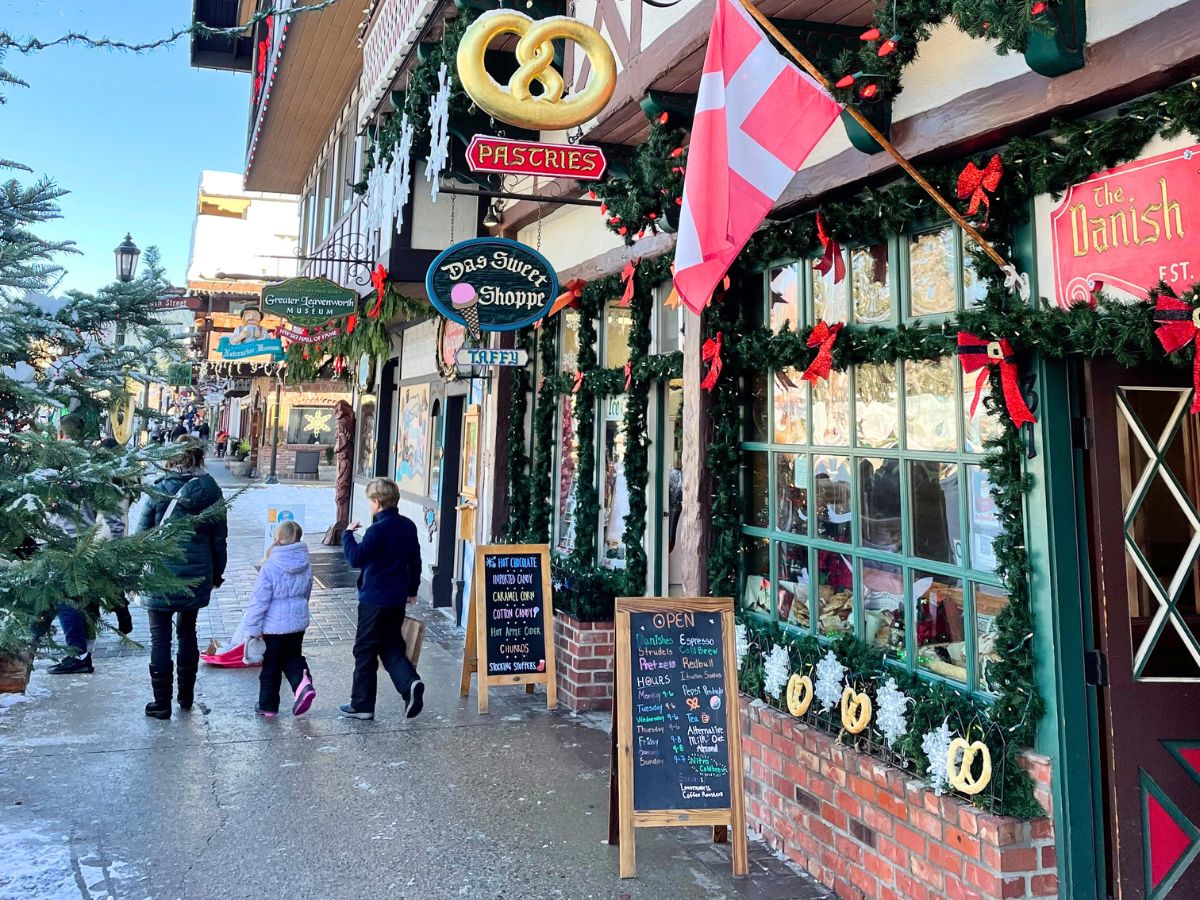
x: 187, y: 687
x: 160, y: 683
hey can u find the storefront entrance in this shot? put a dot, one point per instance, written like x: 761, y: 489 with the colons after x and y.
x: 1145, y: 492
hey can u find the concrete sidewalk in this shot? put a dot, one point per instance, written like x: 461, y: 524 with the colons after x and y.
x: 99, y: 801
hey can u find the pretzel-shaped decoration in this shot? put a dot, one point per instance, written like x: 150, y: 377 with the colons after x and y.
x: 535, y: 53
x: 799, y: 694
x: 856, y: 710
x: 959, y: 774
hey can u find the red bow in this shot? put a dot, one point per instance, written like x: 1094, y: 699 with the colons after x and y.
x: 627, y: 277
x: 979, y: 355
x: 1178, y: 324
x: 578, y: 383
x: 351, y: 323
x: 821, y: 336
x: 711, y: 354
x: 975, y: 183
x: 379, y: 279
x: 572, y: 291
x: 628, y: 375
x: 832, y: 258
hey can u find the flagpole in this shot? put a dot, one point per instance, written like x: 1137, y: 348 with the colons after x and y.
x: 874, y: 132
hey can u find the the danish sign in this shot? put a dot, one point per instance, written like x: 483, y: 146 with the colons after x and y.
x: 493, y: 154
x: 491, y: 284
x: 1129, y: 228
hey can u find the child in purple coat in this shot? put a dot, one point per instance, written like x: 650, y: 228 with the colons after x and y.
x: 278, y: 613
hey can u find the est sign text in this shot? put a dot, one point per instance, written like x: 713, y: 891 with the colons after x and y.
x: 1129, y: 228
x: 491, y: 284
x: 493, y: 154
x: 309, y: 301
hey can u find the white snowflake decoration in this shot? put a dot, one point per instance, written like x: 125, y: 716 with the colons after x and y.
x: 743, y: 643
x: 402, y: 169
x: 828, y: 687
x: 936, y: 745
x: 439, y: 132
x: 891, y: 707
x: 778, y: 669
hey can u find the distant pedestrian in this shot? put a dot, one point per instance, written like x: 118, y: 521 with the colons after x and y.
x: 185, y: 490
x: 278, y: 613
x: 390, y: 559
x: 180, y: 430
x: 222, y: 443
x: 203, y: 432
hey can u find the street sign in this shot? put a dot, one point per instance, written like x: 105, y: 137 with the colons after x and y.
x: 309, y: 301
x: 493, y: 154
x: 482, y: 356
x: 491, y: 284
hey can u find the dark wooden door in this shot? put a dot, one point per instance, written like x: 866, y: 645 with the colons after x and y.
x: 1145, y: 477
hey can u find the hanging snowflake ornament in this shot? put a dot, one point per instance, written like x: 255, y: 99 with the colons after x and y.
x: 402, y: 169
x: 742, y: 636
x: 830, y: 675
x: 891, y: 707
x: 936, y: 746
x: 439, y: 132
x: 778, y: 669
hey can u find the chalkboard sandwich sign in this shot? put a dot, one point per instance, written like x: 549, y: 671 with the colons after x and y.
x: 678, y: 721
x: 510, y: 633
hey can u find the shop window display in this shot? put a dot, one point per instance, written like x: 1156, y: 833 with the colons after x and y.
x: 568, y: 464
x: 868, y: 510
x: 618, y: 323
x: 784, y: 302
x: 614, y: 494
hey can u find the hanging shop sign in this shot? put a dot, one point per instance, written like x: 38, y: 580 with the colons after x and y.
x: 514, y: 103
x: 1129, y: 227
x: 451, y: 337
x: 491, y: 284
x: 482, y: 356
x: 493, y: 154
x: 229, y: 350
x: 677, y: 723
x: 179, y: 375
x: 304, y: 335
x: 122, y: 412
x: 510, y: 633
x: 239, y: 387
x: 309, y: 301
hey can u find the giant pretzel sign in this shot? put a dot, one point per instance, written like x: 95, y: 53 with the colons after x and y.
x: 514, y: 103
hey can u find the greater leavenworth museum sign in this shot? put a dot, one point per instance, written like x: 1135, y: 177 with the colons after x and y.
x: 491, y: 284
x: 1128, y: 228
x: 309, y: 301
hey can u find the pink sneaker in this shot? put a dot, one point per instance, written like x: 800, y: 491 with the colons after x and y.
x: 305, y: 695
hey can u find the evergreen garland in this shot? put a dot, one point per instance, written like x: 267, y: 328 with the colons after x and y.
x: 587, y: 498
x: 636, y: 465
x: 646, y: 200
x: 518, y: 458
x: 542, y: 477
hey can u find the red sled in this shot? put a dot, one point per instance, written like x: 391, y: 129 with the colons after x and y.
x: 233, y: 658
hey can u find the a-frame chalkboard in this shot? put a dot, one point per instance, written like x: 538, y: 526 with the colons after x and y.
x: 510, y: 632
x: 679, y: 732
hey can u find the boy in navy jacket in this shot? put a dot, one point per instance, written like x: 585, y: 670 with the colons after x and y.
x: 390, y: 559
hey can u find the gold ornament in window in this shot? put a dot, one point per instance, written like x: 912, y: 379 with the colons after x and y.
x: 799, y: 694
x: 856, y: 710
x: 959, y: 772
x: 515, y: 103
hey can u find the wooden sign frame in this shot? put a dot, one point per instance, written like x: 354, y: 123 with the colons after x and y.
x: 475, y: 651
x: 629, y: 819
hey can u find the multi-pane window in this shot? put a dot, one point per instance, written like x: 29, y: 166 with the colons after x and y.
x: 866, y: 506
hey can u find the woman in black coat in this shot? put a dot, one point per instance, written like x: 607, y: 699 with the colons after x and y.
x: 185, y: 490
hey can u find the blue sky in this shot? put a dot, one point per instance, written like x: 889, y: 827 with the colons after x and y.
x: 126, y: 134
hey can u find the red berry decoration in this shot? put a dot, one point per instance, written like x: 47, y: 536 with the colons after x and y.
x: 622, y: 230
x: 676, y: 153
x: 888, y: 46
x: 662, y: 120
x: 641, y: 234
x: 845, y: 81
x: 653, y: 215
x: 871, y: 34
x: 1037, y: 9
x: 592, y: 194
x: 679, y: 201
x: 869, y: 91
x: 603, y: 209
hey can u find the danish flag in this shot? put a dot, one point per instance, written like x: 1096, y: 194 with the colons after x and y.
x: 757, y: 119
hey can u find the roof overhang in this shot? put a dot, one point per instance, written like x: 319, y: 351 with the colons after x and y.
x: 230, y: 54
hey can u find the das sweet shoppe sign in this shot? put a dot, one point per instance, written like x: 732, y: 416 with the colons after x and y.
x: 1128, y: 228
x: 491, y: 284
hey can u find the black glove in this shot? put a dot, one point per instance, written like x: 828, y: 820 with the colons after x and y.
x: 124, y: 620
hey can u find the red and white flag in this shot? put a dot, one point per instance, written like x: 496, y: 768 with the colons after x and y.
x: 757, y: 119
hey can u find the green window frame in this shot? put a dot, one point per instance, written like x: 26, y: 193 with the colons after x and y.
x: 840, y: 480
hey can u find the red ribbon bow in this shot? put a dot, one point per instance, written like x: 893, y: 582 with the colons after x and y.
x: 628, y: 375
x: 821, y: 336
x: 1178, y: 324
x: 572, y: 291
x: 832, y: 258
x: 578, y: 383
x: 351, y: 323
x: 379, y: 279
x: 711, y: 354
x: 975, y: 183
x: 979, y: 355
x: 627, y: 277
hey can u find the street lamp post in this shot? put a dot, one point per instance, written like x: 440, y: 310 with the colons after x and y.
x: 127, y: 254
x: 271, y: 477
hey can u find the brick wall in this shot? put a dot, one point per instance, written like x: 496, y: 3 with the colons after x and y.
x: 866, y: 829
x: 285, y: 464
x: 583, y: 656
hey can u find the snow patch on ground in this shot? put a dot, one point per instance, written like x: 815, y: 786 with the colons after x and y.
x: 38, y: 687
x: 39, y: 866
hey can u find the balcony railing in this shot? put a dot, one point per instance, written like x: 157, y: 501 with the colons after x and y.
x: 347, y: 253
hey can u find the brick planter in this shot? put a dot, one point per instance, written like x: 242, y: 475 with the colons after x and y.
x: 583, y: 654
x: 866, y: 829
x: 14, y: 674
